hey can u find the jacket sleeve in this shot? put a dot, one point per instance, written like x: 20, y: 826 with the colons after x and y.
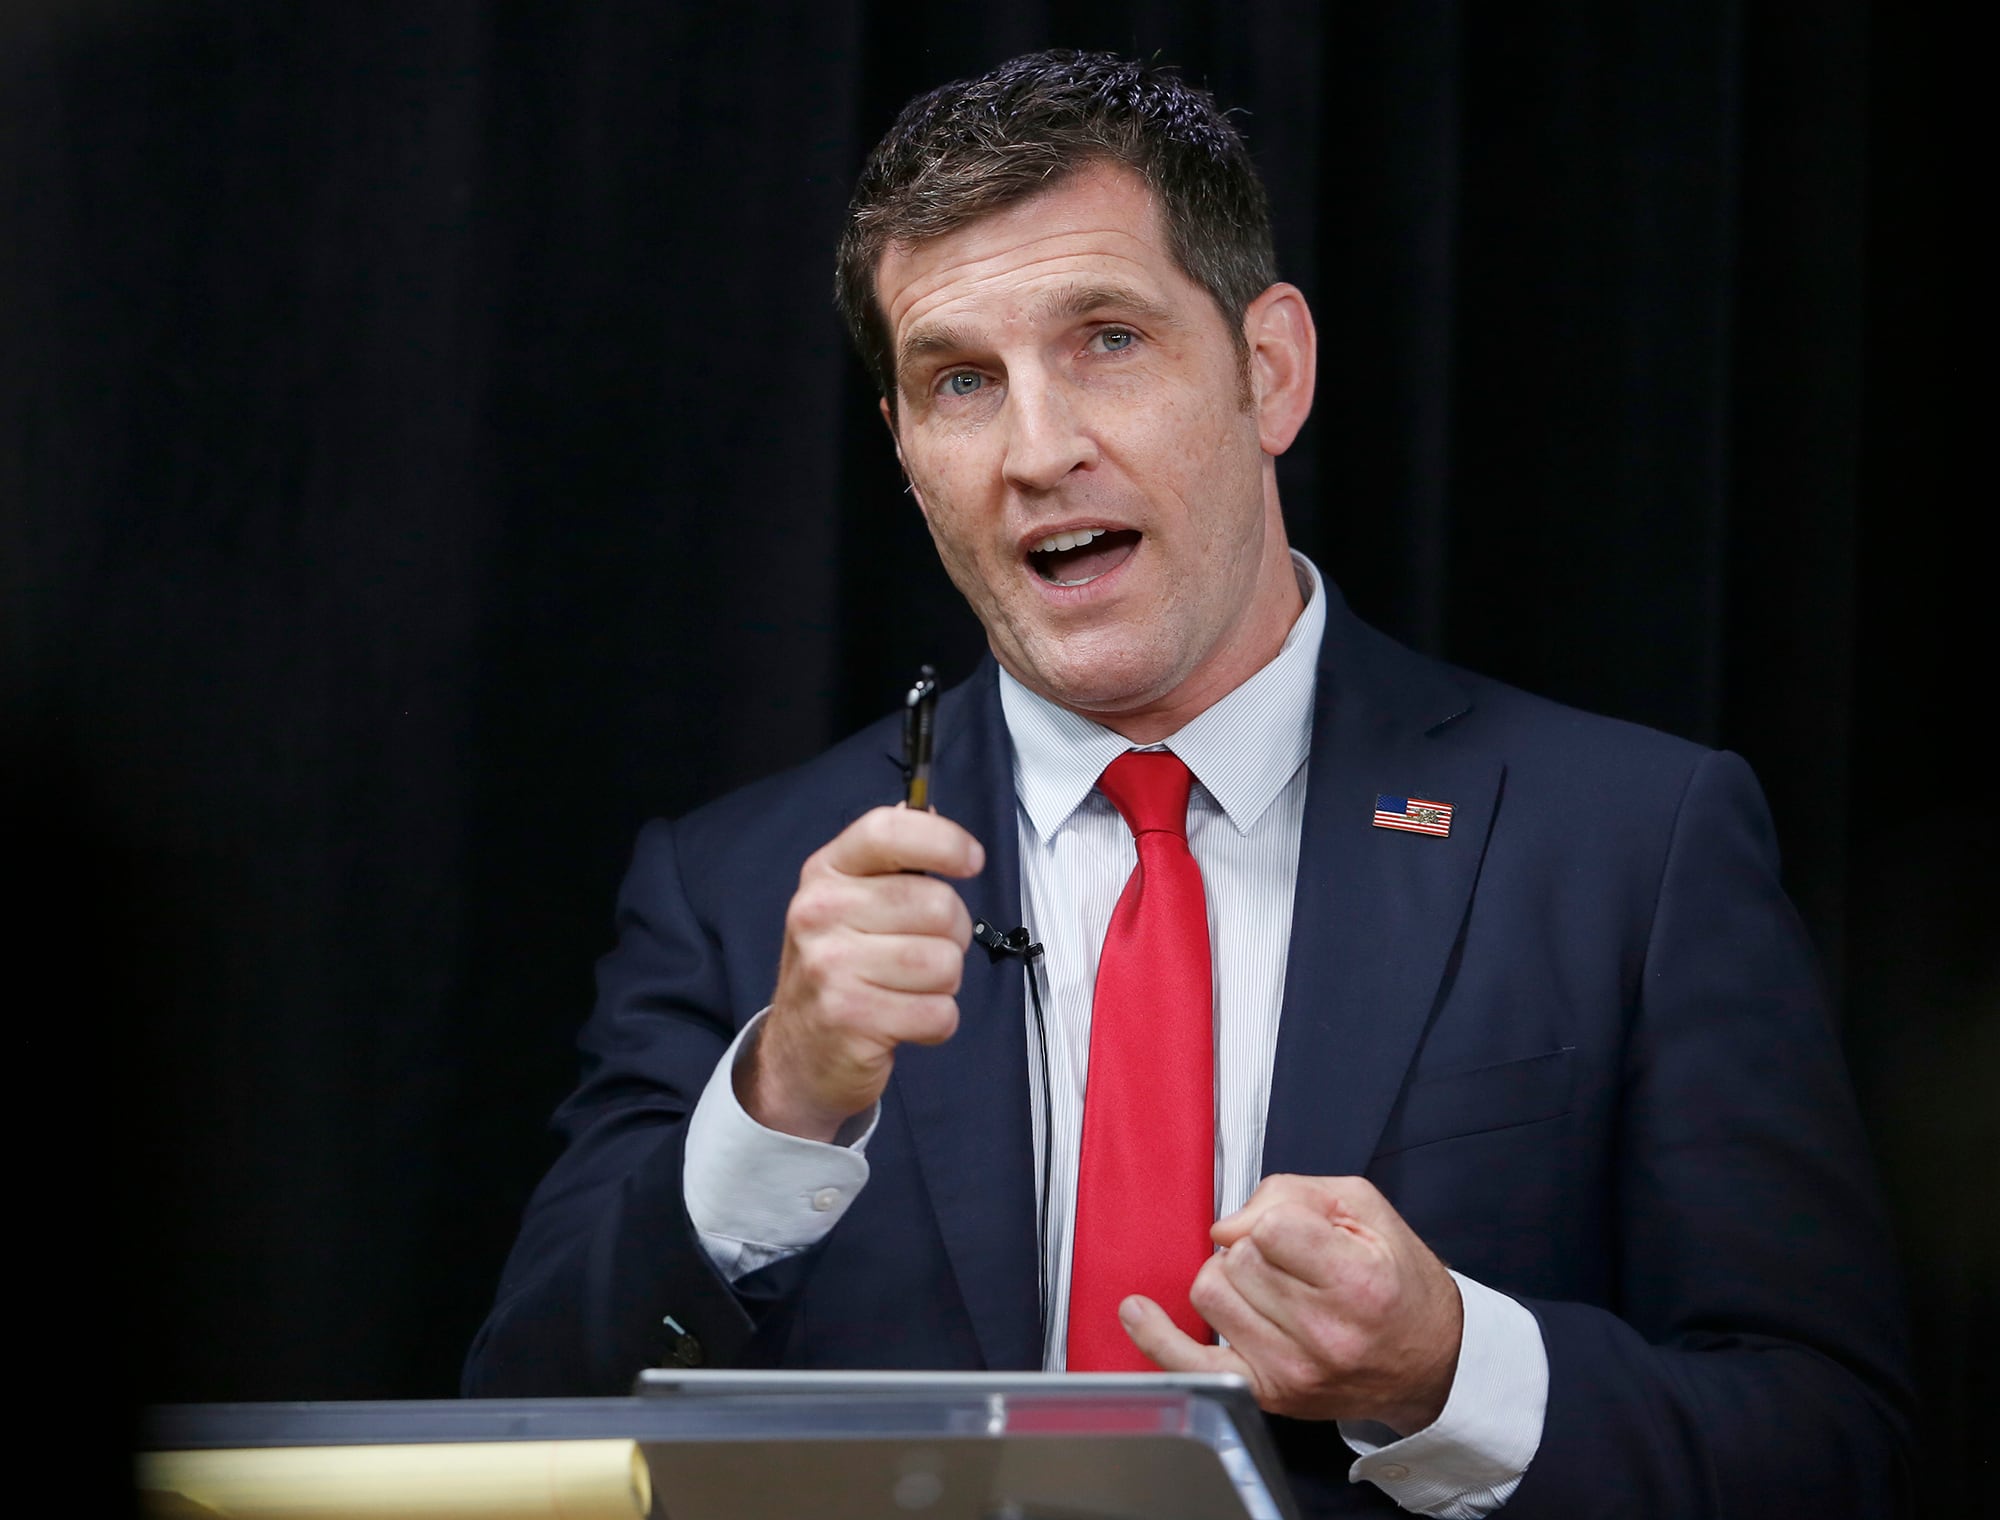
x: 1754, y: 1363
x: 608, y: 1275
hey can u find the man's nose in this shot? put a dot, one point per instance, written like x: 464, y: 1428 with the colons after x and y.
x: 1048, y: 434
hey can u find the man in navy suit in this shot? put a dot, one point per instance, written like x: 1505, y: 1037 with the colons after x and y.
x: 1553, y: 1021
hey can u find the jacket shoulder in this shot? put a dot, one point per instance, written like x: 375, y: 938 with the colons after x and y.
x: 1541, y: 728
x: 1408, y: 689
x: 1599, y: 773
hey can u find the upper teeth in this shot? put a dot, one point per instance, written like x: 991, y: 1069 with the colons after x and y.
x: 1076, y: 540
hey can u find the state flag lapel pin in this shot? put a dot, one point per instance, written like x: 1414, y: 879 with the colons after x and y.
x: 1418, y: 815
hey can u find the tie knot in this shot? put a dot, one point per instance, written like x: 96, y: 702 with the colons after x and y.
x: 1150, y: 787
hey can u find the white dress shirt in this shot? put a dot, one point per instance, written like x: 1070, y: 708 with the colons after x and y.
x: 756, y: 1195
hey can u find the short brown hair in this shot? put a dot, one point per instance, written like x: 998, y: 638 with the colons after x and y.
x: 973, y: 146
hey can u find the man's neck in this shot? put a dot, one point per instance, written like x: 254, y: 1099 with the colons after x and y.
x: 1243, y: 747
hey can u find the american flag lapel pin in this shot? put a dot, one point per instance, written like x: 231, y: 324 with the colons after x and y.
x: 1418, y: 815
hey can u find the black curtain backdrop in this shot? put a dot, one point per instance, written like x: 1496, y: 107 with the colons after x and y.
x: 429, y: 451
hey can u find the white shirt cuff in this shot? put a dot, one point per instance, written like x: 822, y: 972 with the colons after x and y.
x: 757, y: 1195
x: 1472, y: 1459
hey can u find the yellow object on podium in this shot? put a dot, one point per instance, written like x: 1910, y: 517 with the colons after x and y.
x: 492, y: 1480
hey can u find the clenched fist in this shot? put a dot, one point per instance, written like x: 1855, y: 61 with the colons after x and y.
x: 873, y: 956
x: 1332, y: 1307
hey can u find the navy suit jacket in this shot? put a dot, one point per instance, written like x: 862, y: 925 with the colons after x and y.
x: 1580, y: 1044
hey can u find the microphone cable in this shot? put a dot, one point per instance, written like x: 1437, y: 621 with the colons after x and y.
x: 1019, y: 942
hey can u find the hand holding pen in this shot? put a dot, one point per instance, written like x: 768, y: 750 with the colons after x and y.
x: 874, y: 950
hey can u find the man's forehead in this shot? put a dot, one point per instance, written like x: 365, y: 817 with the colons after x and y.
x: 1096, y: 234
x: 1122, y: 190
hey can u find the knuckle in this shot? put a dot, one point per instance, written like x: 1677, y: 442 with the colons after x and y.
x: 938, y: 1017
x: 919, y: 960
x: 954, y: 920
x: 926, y: 904
x: 1277, y: 1225
x: 839, y: 1003
x: 1299, y: 1373
x: 941, y: 905
x: 863, y: 837
x: 948, y: 1014
x: 825, y: 956
x: 1356, y: 1190
x: 852, y: 998
x: 804, y: 966
x: 1208, y: 1290
x: 898, y: 963
x: 947, y: 961
x: 1279, y: 1188
x: 815, y: 906
x: 1341, y: 1348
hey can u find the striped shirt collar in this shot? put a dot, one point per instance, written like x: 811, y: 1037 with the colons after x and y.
x: 1243, y: 749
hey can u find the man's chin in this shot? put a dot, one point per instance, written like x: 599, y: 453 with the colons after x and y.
x: 1101, y: 689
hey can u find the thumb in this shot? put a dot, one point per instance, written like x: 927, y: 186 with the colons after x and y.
x: 1169, y: 1347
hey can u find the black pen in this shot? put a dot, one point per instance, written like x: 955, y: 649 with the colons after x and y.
x: 919, y: 711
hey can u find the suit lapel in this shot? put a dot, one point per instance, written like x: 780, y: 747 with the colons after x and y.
x: 967, y: 1099
x: 1377, y: 911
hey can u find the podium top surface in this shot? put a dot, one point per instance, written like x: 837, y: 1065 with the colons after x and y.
x: 1156, y: 1436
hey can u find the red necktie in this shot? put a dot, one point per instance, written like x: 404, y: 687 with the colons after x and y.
x: 1145, y: 1185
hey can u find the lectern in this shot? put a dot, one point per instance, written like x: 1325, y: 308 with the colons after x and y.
x: 739, y: 1446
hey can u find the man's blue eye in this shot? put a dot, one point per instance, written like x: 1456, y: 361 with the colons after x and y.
x: 1115, y: 340
x: 962, y: 383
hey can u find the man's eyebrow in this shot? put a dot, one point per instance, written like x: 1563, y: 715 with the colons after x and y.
x: 1082, y: 300
x: 926, y: 341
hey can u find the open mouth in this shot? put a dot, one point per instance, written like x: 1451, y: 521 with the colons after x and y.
x: 1076, y: 559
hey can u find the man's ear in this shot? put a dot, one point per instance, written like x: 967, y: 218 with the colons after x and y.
x: 889, y: 421
x: 1284, y: 360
